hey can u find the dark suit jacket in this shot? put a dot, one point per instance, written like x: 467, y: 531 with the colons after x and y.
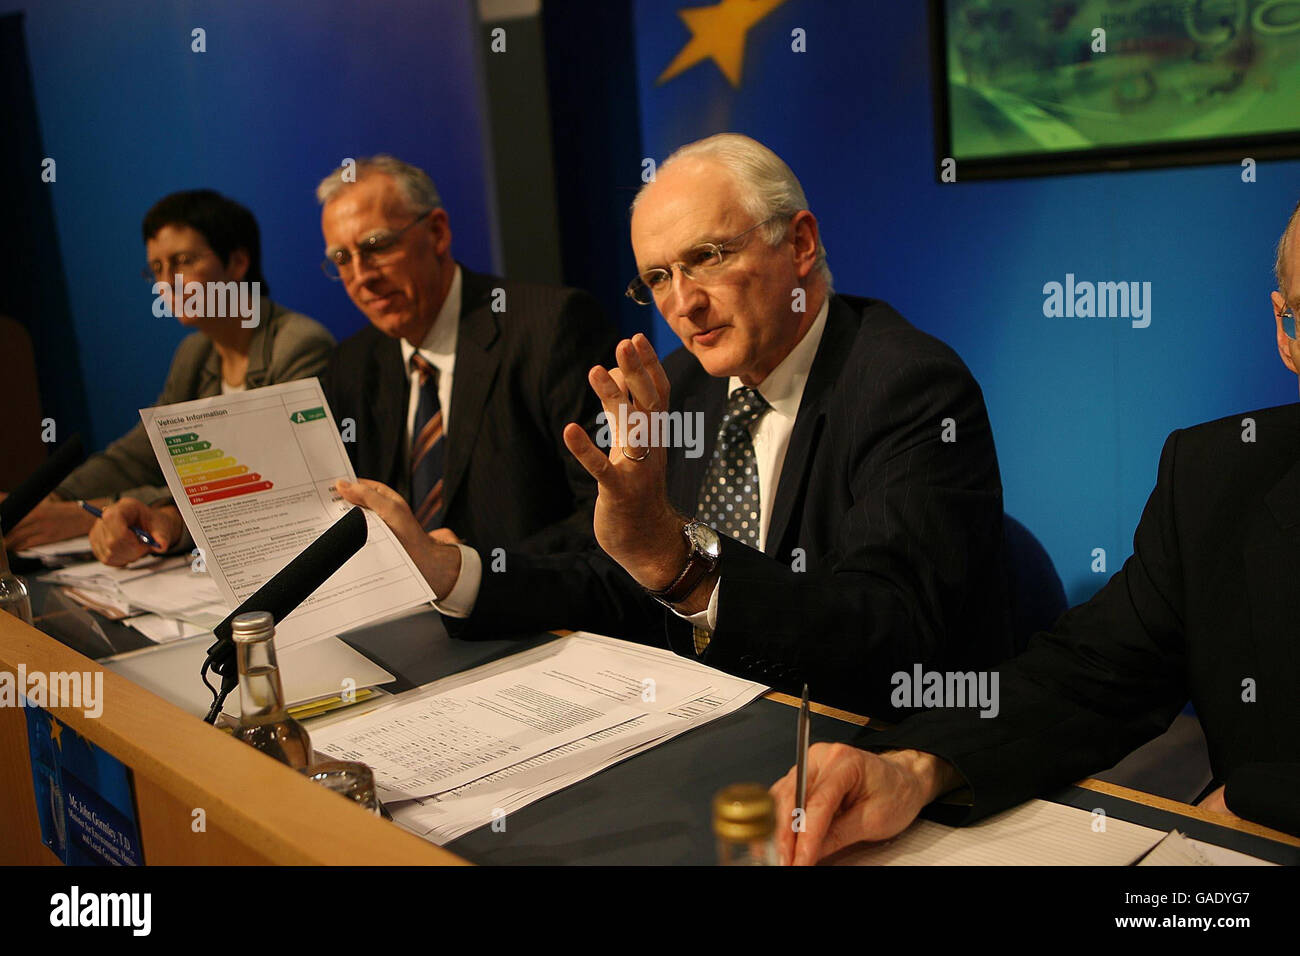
x: 520, y: 377
x: 896, y: 533
x: 1205, y: 607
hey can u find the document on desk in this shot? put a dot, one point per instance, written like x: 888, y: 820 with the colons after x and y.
x: 670, y: 695
x: 168, y: 586
x: 439, y: 741
x: 1036, y: 833
x: 1177, y: 849
x: 58, y: 552
x: 253, y: 475
x: 179, y: 594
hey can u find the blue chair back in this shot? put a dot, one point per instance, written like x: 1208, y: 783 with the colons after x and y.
x: 1037, y: 595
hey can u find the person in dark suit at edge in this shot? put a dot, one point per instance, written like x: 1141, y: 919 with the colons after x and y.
x: 830, y: 529
x: 1203, y: 609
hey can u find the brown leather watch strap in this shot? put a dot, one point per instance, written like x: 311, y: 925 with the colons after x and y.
x: 698, y: 565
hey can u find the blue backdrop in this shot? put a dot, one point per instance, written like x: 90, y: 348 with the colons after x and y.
x: 282, y: 94
x: 1080, y: 407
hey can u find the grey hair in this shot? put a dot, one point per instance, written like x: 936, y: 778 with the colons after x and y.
x: 1283, y: 246
x: 768, y: 187
x: 416, y: 187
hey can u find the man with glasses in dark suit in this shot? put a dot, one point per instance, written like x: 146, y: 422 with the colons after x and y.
x: 843, y: 520
x: 457, y: 392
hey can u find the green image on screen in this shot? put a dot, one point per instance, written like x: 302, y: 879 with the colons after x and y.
x: 1037, y: 77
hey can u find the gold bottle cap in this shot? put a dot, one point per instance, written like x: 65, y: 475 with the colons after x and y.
x: 743, y: 812
x: 252, y: 626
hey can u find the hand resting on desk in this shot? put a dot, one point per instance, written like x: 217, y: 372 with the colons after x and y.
x: 115, y: 544
x: 54, y: 519
x: 853, y: 796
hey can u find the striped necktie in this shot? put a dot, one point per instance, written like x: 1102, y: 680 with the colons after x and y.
x: 729, y: 499
x: 427, y: 448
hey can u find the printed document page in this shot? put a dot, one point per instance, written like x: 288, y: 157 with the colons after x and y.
x: 437, y: 742
x: 670, y: 695
x: 253, y: 475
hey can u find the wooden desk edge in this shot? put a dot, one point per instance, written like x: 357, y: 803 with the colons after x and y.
x: 1188, y: 810
x: 178, y: 762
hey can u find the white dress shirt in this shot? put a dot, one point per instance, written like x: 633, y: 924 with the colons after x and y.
x: 783, y: 391
x: 439, y: 350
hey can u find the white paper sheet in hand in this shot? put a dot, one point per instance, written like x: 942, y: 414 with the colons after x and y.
x: 253, y: 475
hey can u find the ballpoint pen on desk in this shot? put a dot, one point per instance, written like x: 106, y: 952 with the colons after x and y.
x: 801, y: 753
x: 144, y: 536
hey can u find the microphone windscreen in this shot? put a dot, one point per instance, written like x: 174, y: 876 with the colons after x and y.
x: 40, y: 483
x: 304, y: 574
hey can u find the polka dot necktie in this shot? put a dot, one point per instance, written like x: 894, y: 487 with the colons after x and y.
x: 729, y: 500
x: 427, y: 448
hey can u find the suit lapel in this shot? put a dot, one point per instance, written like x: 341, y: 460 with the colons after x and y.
x: 708, y: 400
x: 390, y: 401
x: 477, y: 359
x: 1272, y: 569
x: 837, y: 339
x: 260, y: 346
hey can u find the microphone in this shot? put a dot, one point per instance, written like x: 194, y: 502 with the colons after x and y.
x: 282, y: 594
x: 40, y: 483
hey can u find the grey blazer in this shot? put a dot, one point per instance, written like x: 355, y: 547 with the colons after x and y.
x: 284, y: 347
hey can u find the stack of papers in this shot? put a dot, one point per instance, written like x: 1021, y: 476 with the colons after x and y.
x: 58, y: 553
x: 182, y: 602
x: 457, y: 754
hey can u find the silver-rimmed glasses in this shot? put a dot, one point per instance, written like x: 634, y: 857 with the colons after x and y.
x: 377, y: 248
x: 698, y: 264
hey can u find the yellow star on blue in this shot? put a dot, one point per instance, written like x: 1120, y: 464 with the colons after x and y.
x: 718, y: 33
x: 56, y: 732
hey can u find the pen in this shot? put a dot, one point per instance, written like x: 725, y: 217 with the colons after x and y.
x: 144, y: 536
x: 801, y: 753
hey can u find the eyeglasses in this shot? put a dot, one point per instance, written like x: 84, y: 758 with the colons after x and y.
x: 1288, y: 322
x: 699, y: 263
x: 377, y: 249
x: 159, y: 270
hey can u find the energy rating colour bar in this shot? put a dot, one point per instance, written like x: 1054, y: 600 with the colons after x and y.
x: 207, y: 473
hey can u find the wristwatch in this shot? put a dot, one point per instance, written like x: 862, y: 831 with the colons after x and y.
x: 701, y: 560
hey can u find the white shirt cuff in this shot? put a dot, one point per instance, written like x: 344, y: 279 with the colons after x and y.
x: 705, y: 620
x: 460, y: 600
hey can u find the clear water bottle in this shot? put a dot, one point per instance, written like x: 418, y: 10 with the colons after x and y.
x: 13, y: 592
x: 744, y: 822
x: 264, y: 720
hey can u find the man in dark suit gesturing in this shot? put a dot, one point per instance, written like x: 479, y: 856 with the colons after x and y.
x: 1204, y: 609
x: 842, y: 520
x: 461, y: 385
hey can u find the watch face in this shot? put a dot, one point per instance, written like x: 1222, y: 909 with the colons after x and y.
x: 704, y: 538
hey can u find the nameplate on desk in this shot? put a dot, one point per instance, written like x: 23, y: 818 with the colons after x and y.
x: 85, y: 797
